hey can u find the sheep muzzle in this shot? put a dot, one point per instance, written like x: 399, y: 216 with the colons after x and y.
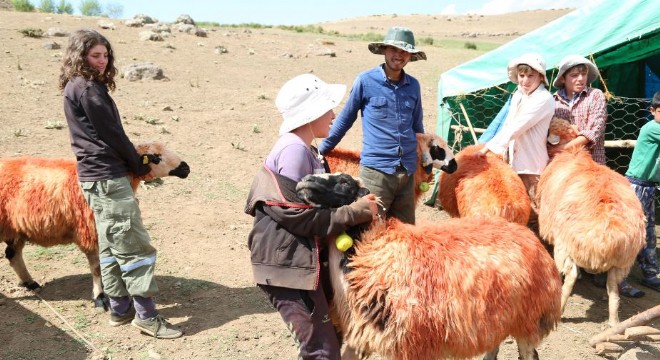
x: 182, y: 171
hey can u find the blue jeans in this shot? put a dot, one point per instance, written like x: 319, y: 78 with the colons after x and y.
x: 647, y: 257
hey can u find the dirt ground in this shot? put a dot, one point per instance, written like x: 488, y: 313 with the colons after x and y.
x: 217, y: 111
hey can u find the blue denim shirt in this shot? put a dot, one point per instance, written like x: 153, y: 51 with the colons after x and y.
x: 391, y: 116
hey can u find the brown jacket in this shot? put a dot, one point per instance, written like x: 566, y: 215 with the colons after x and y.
x: 287, y: 234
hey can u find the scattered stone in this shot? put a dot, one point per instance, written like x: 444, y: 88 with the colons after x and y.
x: 184, y: 19
x: 150, y: 36
x: 51, y: 45
x: 133, y: 23
x: 108, y: 25
x: 221, y: 50
x: 57, y: 32
x: 143, y: 71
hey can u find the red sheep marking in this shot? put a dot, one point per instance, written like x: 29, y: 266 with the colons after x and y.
x: 41, y: 202
x: 452, y: 289
x: 483, y: 185
x: 592, y: 217
x: 348, y: 161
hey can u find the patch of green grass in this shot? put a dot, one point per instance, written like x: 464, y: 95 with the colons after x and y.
x: 32, y: 32
x: 460, y: 44
x: 22, y: 5
x: 31, y: 318
x: 80, y: 321
x: 55, y: 124
x: 185, y: 287
x: 207, y: 24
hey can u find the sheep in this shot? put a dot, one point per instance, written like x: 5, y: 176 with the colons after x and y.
x: 591, y: 216
x: 41, y: 202
x: 483, y: 185
x: 432, y: 151
x: 450, y: 289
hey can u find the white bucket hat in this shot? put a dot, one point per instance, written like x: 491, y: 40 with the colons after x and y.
x: 306, y: 98
x: 574, y: 60
x: 533, y: 60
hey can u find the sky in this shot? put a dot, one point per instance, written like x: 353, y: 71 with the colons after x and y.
x: 302, y: 12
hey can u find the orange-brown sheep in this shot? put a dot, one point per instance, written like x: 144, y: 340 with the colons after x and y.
x: 348, y: 161
x: 41, y: 202
x: 591, y: 216
x: 483, y: 185
x: 450, y: 289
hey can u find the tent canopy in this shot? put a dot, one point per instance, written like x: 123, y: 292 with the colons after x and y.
x: 613, y: 32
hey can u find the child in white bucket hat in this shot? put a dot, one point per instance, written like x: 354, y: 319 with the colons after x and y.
x: 581, y: 104
x: 523, y: 134
x: 289, y: 239
x: 390, y: 104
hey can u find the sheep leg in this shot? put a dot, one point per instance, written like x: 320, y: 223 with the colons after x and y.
x: 613, y: 296
x: 349, y: 353
x: 526, y: 351
x: 569, y: 282
x: 101, y: 301
x: 14, y: 253
x: 492, y: 355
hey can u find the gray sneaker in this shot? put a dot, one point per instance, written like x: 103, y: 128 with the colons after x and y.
x: 116, y: 319
x: 157, y: 327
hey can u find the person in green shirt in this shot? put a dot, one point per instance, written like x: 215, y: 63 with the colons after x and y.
x: 643, y: 174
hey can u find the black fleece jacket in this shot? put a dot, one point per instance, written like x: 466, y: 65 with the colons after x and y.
x: 287, y: 235
x: 97, y: 136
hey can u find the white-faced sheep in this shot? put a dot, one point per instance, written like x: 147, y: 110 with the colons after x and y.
x: 450, y: 289
x: 591, y: 216
x: 432, y: 152
x: 41, y: 202
x: 483, y: 185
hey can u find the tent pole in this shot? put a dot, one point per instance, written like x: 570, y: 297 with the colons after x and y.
x: 474, y: 136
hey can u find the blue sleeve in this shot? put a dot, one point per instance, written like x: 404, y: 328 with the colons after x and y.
x: 418, y: 114
x: 344, y: 120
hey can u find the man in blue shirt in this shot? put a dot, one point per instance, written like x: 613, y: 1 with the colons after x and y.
x: 391, y: 104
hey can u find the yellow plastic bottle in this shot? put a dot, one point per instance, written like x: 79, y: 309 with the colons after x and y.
x: 343, y: 242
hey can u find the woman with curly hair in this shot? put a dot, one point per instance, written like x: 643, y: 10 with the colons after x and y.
x: 105, y: 158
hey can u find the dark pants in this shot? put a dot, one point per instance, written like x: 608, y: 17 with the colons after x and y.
x: 307, y: 315
x: 396, y: 192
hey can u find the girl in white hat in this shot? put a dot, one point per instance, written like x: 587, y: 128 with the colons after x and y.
x: 523, y: 134
x: 289, y: 239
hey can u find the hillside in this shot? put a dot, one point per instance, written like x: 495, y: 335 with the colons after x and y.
x: 216, y: 109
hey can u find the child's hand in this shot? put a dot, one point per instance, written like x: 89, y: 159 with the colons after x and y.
x: 373, y: 205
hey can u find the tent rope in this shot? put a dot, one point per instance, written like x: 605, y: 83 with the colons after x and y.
x: 608, y: 94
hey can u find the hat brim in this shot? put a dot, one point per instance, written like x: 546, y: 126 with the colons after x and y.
x: 591, y: 76
x: 512, y: 70
x: 378, y: 48
x: 330, y: 99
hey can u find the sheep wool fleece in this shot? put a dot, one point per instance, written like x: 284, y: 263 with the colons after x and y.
x: 126, y: 254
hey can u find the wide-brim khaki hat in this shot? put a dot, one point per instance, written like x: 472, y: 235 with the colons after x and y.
x: 401, y: 38
x: 306, y: 98
x: 573, y: 60
x: 533, y: 60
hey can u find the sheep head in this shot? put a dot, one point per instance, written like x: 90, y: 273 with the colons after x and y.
x: 163, y: 161
x: 330, y: 190
x: 559, y: 134
x: 435, y: 153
